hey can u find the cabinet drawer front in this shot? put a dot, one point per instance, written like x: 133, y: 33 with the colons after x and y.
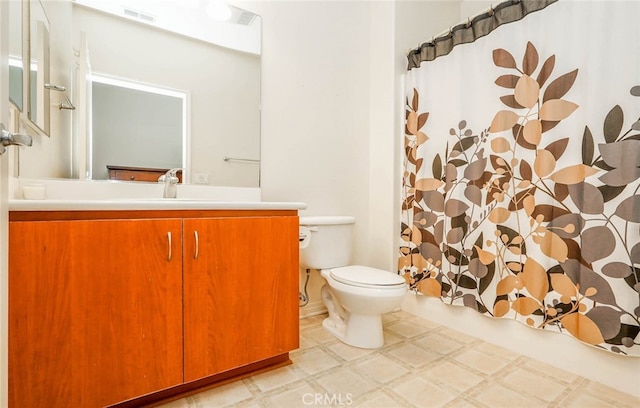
x: 129, y: 175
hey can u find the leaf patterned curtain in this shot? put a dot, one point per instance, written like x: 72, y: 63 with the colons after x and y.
x: 521, y: 189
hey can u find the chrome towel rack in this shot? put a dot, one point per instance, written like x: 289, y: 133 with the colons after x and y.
x: 225, y: 158
x: 67, y: 104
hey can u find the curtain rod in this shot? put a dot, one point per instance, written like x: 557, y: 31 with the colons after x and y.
x: 473, y: 28
x: 468, y: 22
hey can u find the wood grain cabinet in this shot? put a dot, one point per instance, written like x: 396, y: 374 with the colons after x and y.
x: 112, y: 311
x: 238, y: 291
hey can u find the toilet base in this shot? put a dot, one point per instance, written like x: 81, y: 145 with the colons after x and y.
x: 363, y: 331
x: 358, y: 330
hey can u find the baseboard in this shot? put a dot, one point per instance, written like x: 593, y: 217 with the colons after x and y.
x: 312, y: 309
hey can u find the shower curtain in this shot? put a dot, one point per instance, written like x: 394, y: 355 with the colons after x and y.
x: 521, y: 184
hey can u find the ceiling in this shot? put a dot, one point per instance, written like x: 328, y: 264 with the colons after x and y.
x: 190, y: 18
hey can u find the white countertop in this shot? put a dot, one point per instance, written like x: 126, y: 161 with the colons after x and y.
x: 149, y: 204
x: 107, y: 195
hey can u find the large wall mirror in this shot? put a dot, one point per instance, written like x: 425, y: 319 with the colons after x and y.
x: 16, y: 69
x: 213, y: 61
x: 181, y: 47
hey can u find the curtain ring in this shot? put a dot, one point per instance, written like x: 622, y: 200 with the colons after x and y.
x: 468, y: 25
x: 491, y: 11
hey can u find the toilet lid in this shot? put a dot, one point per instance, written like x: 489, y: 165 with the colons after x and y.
x: 365, y: 276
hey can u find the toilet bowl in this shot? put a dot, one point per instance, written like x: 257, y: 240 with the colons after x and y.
x: 356, y: 296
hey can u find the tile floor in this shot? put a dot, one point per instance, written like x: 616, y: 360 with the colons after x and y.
x: 421, y: 365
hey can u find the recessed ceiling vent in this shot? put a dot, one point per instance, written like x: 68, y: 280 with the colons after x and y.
x: 240, y: 16
x: 140, y: 15
x: 244, y: 18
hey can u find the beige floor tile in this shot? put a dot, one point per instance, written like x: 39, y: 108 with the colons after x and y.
x: 461, y: 337
x: 611, y: 394
x: 534, y: 384
x: 482, y: 362
x: 586, y: 401
x: 378, y: 400
x: 412, y: 355
x: 497, y: 351
x: 557, y: 374
x: 380, y: 369
x: 421, y: 365
x: 306, y: 343
x: 181, y: 403
x: 300, y: 396
x: 348, y: 352
x: 421, y: 393
x: 343, y: 381
x: 222, y: 396
x: 439, y: 343
x: 244, y: 404
x: 418, y: 321
x: 460, y: 403
x: 391, y: 338
x: 399, y: 314
x: 407, y: 329
x: 497, y: 396
x: 279, y: 377
x: 454, y: 376
x: 319, y: 334
x: 314, y: 360
x: 390, y: 317
x: 312, y: 322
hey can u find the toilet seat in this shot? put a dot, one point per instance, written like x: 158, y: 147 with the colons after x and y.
x: 366, y: 277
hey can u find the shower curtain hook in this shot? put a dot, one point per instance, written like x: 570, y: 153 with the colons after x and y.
x: 468, y: 22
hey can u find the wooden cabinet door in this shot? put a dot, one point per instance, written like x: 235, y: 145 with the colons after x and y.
x: 240, y: 291
x: 95, y: 311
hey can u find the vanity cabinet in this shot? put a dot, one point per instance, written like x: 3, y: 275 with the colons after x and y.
x: 125, y: 312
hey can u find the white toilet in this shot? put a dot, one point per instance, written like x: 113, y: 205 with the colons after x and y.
x: 355, y: 296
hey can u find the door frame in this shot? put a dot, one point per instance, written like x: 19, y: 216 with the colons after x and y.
x: 4, y: 209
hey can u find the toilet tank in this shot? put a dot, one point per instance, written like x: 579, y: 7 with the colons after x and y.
x: 329, y: 242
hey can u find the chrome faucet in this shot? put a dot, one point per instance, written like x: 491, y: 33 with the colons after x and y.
x: 7, y: 138
x: 170, y: 179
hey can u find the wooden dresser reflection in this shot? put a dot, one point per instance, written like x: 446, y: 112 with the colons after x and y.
x: 129, y: 173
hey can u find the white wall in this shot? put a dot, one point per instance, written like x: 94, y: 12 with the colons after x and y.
x: 315, y: 118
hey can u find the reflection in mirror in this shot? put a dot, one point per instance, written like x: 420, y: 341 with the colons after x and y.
x: 16, y: 70
x: 38, y: 105
x: 136, y: 127
x: 222, y: 84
